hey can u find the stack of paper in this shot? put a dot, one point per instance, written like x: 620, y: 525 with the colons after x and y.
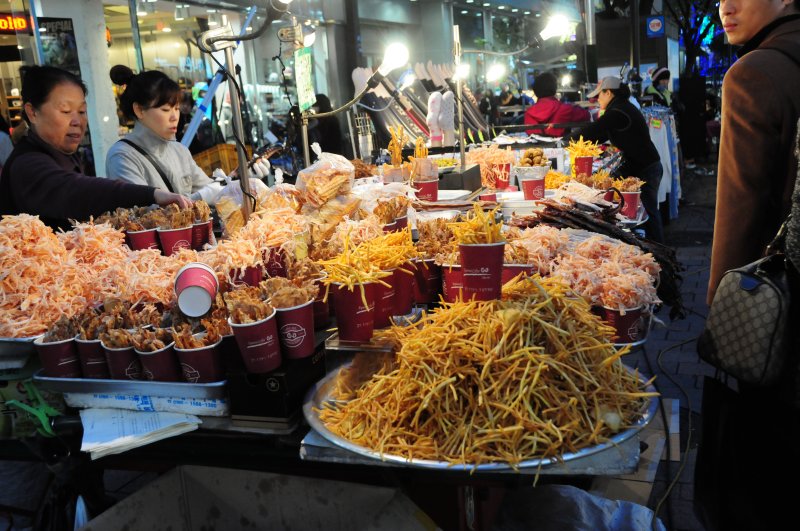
x: 113, y: 431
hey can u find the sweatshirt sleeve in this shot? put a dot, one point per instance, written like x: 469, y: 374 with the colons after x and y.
x: 124, y: 166
x: 41, y: 187
x: 599, y: 131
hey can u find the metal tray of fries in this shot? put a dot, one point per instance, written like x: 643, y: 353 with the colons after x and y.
x: 321, y: 393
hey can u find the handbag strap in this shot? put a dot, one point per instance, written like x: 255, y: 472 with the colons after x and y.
x: 152, y: 161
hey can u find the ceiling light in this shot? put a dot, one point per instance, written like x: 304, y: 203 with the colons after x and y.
x: 501, y: 7
x: 514, y: 10
x: 470, y: 1
x: 496, y: 72
x: 557, y: 26
x: 486, y: 4
x: 566, y: 80
x: 538, y: 14
x: 527, y: 13
x: 464, y: 11
x: 42, y: 30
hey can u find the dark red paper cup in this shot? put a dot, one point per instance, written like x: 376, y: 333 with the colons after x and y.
x: 250, y: 276
x: 296, y: 330
x: 427, y: 281
x: 92, y: 357
x: 631, y: 327
x: 489, y: 196
x: 403, y: 289
x: 275, y: 262
x: 322, y: 310
x: 59, y: 358
x: 402, y: 222
x: 123, y: 363
x: 384, y: 302
x: 196, y: 287
x: 201, y: 365
x: 390, y: 227
x: 231, y: 359
x: 502, y: 175
x: 452, y: 282
x: 583, y: 165
x: 142, y: 239
x: 631, y: 207
x: 258, y: 344
x: 427, y: 190
x: 201, y: 234
x: 355, y: 321
x: 532, y: 187
x: 173, y: 240
x: 482, y: 265
x: 160, y: 365
x: 510, y: 271
x: 609, y: 196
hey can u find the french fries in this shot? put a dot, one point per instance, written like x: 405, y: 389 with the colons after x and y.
x: 395, y: 147
x: 478, y: 227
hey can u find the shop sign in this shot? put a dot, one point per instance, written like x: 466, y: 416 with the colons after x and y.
x: 11, y: 24
x: 655, y: 27
x: 304, y: 78
x: 58, y: 44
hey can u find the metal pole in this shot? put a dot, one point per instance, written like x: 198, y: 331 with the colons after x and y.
x: 457, y: 57
x: 635, y: 53
x: 238, y: 132
x: 137, y: 41
x: 304, y: 129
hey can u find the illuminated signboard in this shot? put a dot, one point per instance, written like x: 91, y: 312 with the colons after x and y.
x: 10, y: 24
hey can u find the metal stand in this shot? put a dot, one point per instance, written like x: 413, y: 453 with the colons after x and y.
x: 459, y: 82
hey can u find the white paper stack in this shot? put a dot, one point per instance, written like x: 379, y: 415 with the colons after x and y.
x: 113, y: 431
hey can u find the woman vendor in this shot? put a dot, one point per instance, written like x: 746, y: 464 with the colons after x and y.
x: 43, y: 175
x: 624, y: 126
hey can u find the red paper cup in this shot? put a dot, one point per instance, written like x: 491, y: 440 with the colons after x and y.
x: 355, y: 321
x: 160, y: 365
x: 452, y: 282
x: 482, y: 265
x: 142, y: 239
x: 390, y: 227
x: 403, y: 289
x: 250, y: 276
x: 489, y: 196
x: 59, y: 358
x: 296, y: 330
x: 92, y: 357
x: 258, y: 344
x: 402, y: 222
x: 384, y: 302
x: 196, y: 287
x: 427, y: 281
x: 427, y: 190
x: 532, y: 187
x: 631, y: 207
x: 512, y: 270
x: 201, y: 234
x: 583, y: 165
x: 502, y: 175
x: 123, y: 363
x: 201, y: 365
x: 173, y: 240
x: 609, y: 196
x: 275, y: 262
x: 322, y: 310
x: 631, y: 327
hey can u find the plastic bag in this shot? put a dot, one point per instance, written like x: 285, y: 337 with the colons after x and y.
x: 229, y: 203
x: 330, y: 176
x: 283, y: 195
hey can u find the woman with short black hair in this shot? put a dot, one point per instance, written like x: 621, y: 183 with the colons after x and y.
x: 550, y: 110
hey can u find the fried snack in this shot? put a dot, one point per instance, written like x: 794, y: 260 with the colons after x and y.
x: 533, y: 157
x: 177, y: 218
x: 154, y: 219
x: 388, y: 211
x: 147, y: 314
x: 434, y: 235
x: 304, y: 270
x: 478, y: 227
x: 395, y: 147
x: 628, y: 184
x: 88, y: 324
x: 602, y: 180
x: 322, y: 185
x: 490, y: 159
x: 350, y: 270
x: 445, y: 162
x: 201, y: 211
x: 119, y: 338
x: 285, y: 293
x: 515, y: 253
x: 145, y: 340
x: 363, y: 170
x: 61, y: 330
x: 583, y: 148
x: 420, y: 149
x: 247, y: 305
x: 554, y: 179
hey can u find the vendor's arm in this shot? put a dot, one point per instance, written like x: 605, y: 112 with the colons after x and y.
x: 39, y: 186
x: 598, y: 131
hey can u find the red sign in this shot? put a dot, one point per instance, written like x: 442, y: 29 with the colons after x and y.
x: 14, y: 23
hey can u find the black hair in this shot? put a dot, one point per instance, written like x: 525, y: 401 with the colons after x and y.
x: 544, y: 85
x: 149, y: 89
x: 623, y: 92
x: 39, y: 81
x: 323, y: 103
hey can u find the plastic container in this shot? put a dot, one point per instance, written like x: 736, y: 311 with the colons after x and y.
x: 201, y: 234
x: 201, y: 365
x: 59, y: 358
x: 160, y: 365
x: 296, y: 330
x: 355, y: 320
x: 258, y: 344
x: 173, y: 240
x: 142, y: 239
x: 123, y: 363
x: 482, y: 266
x: 452, y: 282
x: 196, y: 287
x: 92, y: 358
x: 427, y: 190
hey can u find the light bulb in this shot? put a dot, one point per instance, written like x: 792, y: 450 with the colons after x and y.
x: 395, y: 56
x: 566, y: 80
x: 462, y: 71
x: 557, y: 26
x: 496, y: 71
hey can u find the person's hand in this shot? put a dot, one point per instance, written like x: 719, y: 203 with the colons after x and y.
x: 261, y: 168
x: 164, y: 198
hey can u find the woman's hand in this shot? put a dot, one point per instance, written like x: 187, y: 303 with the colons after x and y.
x: 164, y: 198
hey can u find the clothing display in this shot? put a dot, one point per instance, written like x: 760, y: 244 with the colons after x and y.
x: 664, y: 134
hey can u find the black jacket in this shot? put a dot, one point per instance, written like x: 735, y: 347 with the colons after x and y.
x: 624, y: 126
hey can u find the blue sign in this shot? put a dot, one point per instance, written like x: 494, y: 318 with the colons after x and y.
x: 655, y: 27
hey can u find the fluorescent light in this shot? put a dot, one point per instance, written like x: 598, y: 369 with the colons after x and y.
x: 526, y: 13
x: 538, y: 14
x: 514, y: 10
x: 464, y: 12
x: 501, y: 7
x: 486, y: 4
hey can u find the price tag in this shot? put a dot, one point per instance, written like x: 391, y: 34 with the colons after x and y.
x: 304, y: 77
x: 655, y: 123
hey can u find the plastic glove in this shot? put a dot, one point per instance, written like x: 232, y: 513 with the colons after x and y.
x: 208, y: 193
x: 218, y: 175
x: 261, y: 168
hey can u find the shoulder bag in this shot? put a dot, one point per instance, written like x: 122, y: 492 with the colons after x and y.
x: 152, y: 161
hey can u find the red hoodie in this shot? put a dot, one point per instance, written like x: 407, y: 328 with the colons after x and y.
x: 550, y: 110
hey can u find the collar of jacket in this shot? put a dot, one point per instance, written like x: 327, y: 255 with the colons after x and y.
x: 68, y: 162
x: 759, y: 37
x: 147, y: 139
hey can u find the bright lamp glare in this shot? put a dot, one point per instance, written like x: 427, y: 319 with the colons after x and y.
x: 407, y: 80
x: 286, y: 2
x: 566, y: 80
x: 395, y: 56
x: 462, y: 71
x: 496, y: 71
x: 557, y: 26
x: 308, y: 40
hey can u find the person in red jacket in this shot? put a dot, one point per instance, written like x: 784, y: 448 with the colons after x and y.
x: 549, y: 110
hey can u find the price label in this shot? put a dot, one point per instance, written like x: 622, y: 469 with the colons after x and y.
x: 304, y: 77
x: 655, y: 123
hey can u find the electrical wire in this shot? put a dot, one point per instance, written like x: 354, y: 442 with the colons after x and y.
x: 388, y: 105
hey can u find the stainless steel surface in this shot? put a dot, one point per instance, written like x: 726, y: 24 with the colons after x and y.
x: 304, y: 129
x: 131, y: 387
x: 14, y: 352
x: 238, y: 132
x: 321, y: 393
x: 334, y: 343
x: 459, y: 82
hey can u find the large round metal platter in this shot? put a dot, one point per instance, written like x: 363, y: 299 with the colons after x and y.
x: 322, y: 392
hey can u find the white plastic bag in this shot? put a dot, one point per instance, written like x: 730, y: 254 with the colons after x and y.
x: 330, y: 176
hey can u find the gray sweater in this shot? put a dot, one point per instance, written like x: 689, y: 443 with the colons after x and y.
x: 125, y: 163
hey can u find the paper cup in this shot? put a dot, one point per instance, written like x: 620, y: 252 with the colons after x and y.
x: 160, y: 365
x: 384, y: 302
x: 532, y: 187
x: 355, y: 321
x: 275, y: 262
x: 403, y: 289
x: 631, y: 327
x: 296, y: 330
x: 402, y: 222
x: 501, y: 174
x: 583, y: 165
x: 142, y: 239
x: 631, y: 207
x: 59, y: 359
x: 201, y: 365
x: 201, y: 234
x: 92, y: 357
x: 250, y: 276
x: 123, y: 363
x: 258, y: 344
x: 489, y: 196
x: 322, y: 310
x: 196, y: 288
x: 390, y: 227
x: 452, y: 282
x: 427, y: 190
x: 427, y: 281
x: 173, y: 240
x: 482, y: 265
x: 510, y: 271
x: 609, y: 196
